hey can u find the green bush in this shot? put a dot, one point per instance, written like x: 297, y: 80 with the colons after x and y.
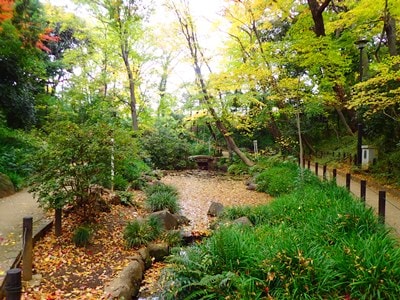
x: 199, y: 149
x: 277, y: 180
x: 133, y: 171
x: 172, y: 237
x: 81, y: 236
x: 120, y: 182
x: 16, y: 149
x: 74, y: 157
x: 167, y: 149
x: 141, y: 232
x: 162, y: 200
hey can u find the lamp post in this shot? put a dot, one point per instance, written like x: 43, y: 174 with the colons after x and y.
x: 361, y: 43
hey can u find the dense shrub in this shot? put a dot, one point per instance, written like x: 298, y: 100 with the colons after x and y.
x: 279, y: 179
x: 314, y: 243
x: 16, y: 148
x: 133, y: 170
x: 167, y: 149
x: 75, y: 157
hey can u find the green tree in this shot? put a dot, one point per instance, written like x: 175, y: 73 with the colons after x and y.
x: 73, y: 158
x: 24, y: 62
x: 123, y: 19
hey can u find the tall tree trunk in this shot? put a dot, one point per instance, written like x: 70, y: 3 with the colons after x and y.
x: 162, y: 87
x: 316, y: 12
x: 132, y: 96
x: 390, y: 30
x: 341, y: 95
x: 319, y: 30
x: 188, y: 30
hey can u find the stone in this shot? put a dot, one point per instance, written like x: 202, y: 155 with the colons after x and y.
x: 252, y: 187
x: 243, y: 221
x: 145, y: 255
x: 168, y: 220
x: 158, y: 251
x: 216, y: 209
x: 182, y: 220
x: 127, y: 284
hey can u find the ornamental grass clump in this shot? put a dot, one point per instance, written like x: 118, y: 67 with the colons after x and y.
x: 160, y: 197
x: 81, y: 236
x: 140, y: 232
x: 316, y: 242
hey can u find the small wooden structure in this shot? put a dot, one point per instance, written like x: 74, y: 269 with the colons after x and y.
x: 204, y: 162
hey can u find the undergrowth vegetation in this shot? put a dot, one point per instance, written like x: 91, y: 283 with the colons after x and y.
x: 314, y: 242
x: 16, y: 147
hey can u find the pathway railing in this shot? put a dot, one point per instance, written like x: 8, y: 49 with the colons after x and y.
x: 386, y: 205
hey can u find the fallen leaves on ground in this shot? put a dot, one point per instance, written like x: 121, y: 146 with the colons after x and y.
x: 70, y: 272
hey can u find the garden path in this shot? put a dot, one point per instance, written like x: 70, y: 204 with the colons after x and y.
x: 12, y: 211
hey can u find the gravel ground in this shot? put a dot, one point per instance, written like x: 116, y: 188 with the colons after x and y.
x: 197, y: 189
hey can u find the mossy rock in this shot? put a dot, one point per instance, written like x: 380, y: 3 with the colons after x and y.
x: 6, y: 186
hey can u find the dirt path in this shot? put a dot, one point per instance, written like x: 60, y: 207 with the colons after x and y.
x: 197, y: 189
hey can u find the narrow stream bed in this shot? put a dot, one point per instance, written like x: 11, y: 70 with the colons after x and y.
x: 197, y: 190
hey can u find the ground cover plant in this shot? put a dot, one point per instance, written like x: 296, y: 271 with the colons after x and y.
x: 316, y: 242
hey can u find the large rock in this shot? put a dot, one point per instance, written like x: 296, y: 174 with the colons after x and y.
x: 158, y: 251
x: 145, y: 254
x: 243, y: 221
x: 6, y: 186
x: 127, y: 284
x: 216, y: 209
x: 167, y: 220
x: 182, y: 220
x: 252, y: 186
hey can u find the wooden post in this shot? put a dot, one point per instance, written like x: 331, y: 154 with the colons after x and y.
x: 363, y: 190
x: 13, y: 286
x: 57, y: 221
x: 348, y: 180
x: 27, y: 243
x: 324, y: 172
x: 382, y: 206
x: 316, y: 169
